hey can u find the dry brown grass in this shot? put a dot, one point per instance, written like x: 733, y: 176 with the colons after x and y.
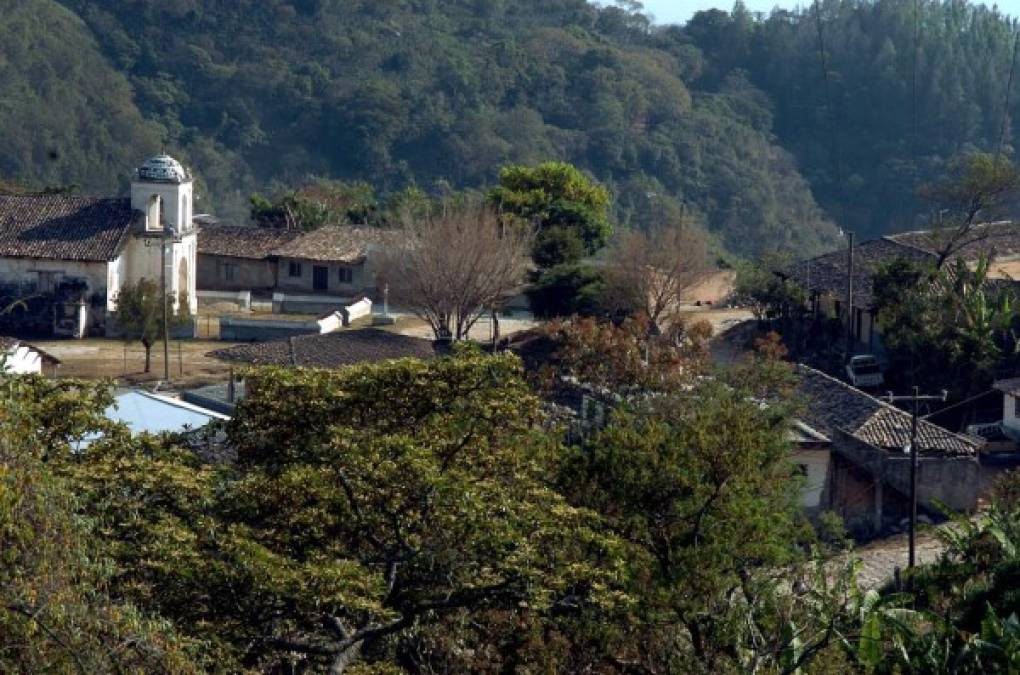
x: 98, y: 358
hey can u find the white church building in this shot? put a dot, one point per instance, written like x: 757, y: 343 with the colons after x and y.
x: 83, y: 250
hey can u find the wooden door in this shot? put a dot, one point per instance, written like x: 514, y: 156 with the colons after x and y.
x: 320, y: 278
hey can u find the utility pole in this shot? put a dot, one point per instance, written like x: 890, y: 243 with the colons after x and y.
x: 166, y: 312
x: 915, y: 399
x: 165, y: 235
x: 849, y: 296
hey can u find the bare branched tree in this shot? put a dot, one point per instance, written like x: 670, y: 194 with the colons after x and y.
x: 453, y: 268
x: 649, y: 272
x: 978, y: 188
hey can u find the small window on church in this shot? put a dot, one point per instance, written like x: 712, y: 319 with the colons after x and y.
x: 295, y: 269
x: 346, y: 275
x: 229, y: 271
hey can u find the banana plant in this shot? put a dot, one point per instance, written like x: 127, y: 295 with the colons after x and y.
x: 996, y: 648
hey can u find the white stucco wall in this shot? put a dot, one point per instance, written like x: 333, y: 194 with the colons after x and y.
x: 185, y: 257
x: 143, y: 262
x: 306, y: 283
x: 26, y: 271
x: 817, y: 464
x: 116, y: 274
x: 22, y: 360
x: 177, y: 203
x: 1009, y: 418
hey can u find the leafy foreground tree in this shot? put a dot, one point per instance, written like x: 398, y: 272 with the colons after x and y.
x: 699, y: 480
x: 405, y: 515
x: 419, y: 517
x: 139, y: 315
x: 57, y: 612
x: 367, y: 508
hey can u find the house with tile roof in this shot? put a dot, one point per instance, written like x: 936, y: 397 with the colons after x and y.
x: 825, y: 277
x: 83, y: 250
x: 240, y: 258
x: 332, y: 261
x: 868, y: 480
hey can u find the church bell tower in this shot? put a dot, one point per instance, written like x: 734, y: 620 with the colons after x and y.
x: 163, y: 191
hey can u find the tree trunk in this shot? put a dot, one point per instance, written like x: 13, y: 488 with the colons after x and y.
x: 148, y: 358
x: 346, y: 659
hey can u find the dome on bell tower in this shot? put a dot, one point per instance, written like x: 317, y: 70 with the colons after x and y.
x: 163, y: 169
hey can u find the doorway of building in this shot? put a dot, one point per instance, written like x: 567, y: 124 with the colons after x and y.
x: 320, y: 278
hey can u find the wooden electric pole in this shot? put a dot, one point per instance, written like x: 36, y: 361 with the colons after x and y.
x: 915, y: 399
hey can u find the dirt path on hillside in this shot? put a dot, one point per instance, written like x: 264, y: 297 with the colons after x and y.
x: 879, y: 559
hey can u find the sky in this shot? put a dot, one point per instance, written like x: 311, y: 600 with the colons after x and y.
x: 678, y: 11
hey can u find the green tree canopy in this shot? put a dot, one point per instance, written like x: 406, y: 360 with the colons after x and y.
x: 367, y: 506
x: 700, y: 479
x: 139, y: 315
x: 57, y: 612
x: 952, y: 328
x: 569, y: 211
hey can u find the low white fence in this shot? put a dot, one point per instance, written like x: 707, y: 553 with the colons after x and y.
x: 243, y: 329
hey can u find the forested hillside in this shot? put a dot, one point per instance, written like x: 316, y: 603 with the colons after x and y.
x: 905, y: 93
x: 263, y: 95
x: 726, y: 119
x: 66, y: 115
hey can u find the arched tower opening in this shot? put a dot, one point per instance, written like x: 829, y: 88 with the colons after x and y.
x: 154, y: 214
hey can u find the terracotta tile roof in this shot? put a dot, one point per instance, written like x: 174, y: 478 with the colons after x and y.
x: 63, y: 227
x: 831, y: 405
x: 826, y: 274
x: 238, y: 241
x: 327, y: 244
x: 333, y: 244
x: 332, y: 350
